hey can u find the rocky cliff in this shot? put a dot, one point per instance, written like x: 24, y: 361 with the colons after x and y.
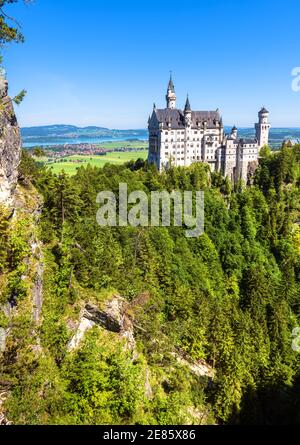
x: 10, y: 146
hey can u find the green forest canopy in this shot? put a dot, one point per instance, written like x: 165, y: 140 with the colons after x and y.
x: 230, y: 298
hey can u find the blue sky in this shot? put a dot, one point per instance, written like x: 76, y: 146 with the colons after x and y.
x: 97, y: 62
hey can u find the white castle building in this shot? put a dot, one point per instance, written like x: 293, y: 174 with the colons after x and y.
x: 180, y: 138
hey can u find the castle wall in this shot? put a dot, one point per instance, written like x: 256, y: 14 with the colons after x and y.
x: 247, y: 154
x: 230, y: 159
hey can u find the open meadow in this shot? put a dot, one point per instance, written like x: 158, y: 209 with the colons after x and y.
x: 72, y: 163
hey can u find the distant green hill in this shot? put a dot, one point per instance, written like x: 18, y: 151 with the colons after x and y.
x: 64, y: 133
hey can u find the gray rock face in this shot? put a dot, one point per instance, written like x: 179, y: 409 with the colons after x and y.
x: 252, y: 167
x: 37, y: 291
x: 3, y: 335
x: 10, y: 146
x: 3, y: 418
x: 112, y: 318
x: 199, y: 368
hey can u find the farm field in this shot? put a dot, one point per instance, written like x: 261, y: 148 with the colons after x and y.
x: 116, y: 145
x: 70, y: 164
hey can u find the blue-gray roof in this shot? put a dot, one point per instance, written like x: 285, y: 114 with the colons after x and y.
x: 171, y: 85
x: 263, y: 111
x: 176, y: 118
x: 248, y: 141
x: 187, y: 105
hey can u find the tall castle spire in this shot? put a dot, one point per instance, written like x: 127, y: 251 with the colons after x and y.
x: 171, y: 96
x: 171, y: 85
x: 187, y: 112
x: 187, y: 107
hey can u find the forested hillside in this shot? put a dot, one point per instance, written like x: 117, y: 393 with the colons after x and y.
x: 228, y: 301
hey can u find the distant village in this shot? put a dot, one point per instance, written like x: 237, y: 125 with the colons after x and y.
x: 58, y: 152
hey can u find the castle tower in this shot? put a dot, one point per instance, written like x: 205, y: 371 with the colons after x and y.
x: 171, y: 96
x: 187, y: 113
x: 263, y: 127
x: 234, y: 132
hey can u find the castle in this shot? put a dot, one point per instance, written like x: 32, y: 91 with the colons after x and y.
x: 180, y: 138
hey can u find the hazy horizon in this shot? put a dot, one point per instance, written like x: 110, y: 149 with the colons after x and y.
x: 145, y: 128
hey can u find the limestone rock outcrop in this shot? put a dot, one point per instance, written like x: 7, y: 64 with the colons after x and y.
x: 252, y: 167
x: 3, y: 418
x: 199, y: 368
x: 10, y: 146
x: 112, y: 318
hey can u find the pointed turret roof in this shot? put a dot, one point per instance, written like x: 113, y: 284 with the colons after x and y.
x: 171, y: 84
x: 187, y: 104
x: 263, y: 110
